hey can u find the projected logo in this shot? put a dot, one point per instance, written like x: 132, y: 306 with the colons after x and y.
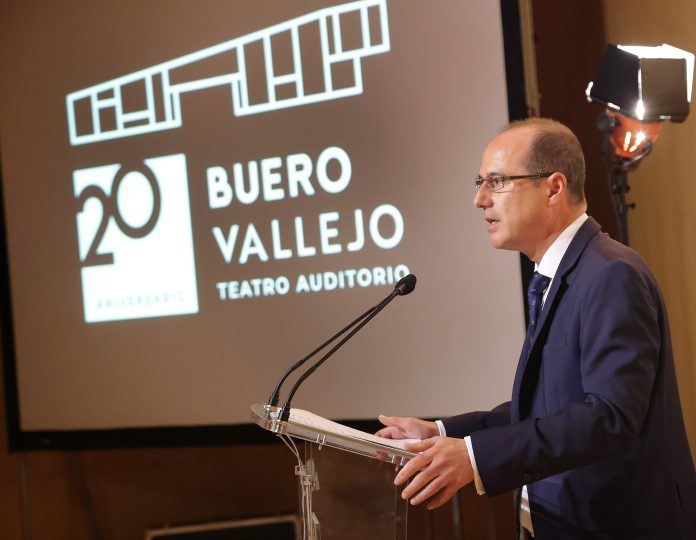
x: 135, y: 240
x: 330, y: 42
x: 134, y: 222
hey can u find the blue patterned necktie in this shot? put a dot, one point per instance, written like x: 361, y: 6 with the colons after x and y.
x: 535, y: 294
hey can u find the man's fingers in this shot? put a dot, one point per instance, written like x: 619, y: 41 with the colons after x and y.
x: 421, y: 484
x: 420, y: 446
x: 442, y: 497
x: 412, y: 467
x: 393, y: 430
x: 391, y: 420
x: 429, y: 490
x: 406, y: 427
x: 441, y: 468
x: 387, y: 433
x: 417, y: 463
x: 390, y: 432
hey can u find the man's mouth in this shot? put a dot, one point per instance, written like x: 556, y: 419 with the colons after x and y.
x: 492, y: 224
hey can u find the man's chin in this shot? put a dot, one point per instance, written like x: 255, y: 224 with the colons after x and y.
x: 503, y: 243
x: 497, y: 241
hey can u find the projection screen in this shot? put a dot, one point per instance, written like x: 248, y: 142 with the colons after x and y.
x: 197, y: 194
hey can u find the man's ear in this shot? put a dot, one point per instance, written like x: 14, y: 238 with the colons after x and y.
x: 557, y: 185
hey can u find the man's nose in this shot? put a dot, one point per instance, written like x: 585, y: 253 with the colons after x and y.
x: 482, y: 197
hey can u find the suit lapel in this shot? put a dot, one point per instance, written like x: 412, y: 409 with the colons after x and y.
x: 586, y: 232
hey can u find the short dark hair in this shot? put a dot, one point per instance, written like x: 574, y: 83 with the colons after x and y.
x: 555, y: 148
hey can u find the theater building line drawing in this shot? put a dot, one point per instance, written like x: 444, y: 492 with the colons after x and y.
x: 149, y: 100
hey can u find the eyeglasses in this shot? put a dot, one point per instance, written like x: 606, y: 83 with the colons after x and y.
x: 496, y: 183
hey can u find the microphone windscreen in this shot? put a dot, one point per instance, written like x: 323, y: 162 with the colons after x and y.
x: 405, y: 285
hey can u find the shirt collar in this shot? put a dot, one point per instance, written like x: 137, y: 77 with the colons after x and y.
x: 552, y: 258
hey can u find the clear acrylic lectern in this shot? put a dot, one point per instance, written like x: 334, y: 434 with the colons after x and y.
x: 346, y: 477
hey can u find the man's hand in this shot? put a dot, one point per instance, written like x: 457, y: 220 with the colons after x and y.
x: 403, y: 427
x: 441, y: 468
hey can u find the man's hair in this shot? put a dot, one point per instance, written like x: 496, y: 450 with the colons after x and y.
x: 555, y: 148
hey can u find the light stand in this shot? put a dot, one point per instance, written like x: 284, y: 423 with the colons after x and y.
x: 619, y: 166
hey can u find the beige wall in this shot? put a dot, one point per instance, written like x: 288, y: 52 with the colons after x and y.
x: 663, y: 225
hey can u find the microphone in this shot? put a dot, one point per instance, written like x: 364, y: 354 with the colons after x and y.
x: 404, y: 286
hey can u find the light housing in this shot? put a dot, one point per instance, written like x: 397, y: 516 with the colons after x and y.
x: 648, y: 84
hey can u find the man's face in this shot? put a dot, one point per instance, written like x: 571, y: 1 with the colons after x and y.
x: 515, y: 216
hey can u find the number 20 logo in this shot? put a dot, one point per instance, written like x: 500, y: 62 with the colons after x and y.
x: 135, y: 240
x: 111, y: 209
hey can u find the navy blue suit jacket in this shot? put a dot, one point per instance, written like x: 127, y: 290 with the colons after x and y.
x: 594, y: 426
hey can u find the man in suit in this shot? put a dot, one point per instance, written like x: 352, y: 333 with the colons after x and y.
x: 593, y: 438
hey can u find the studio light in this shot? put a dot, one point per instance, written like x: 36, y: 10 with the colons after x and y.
x: 640, y: 87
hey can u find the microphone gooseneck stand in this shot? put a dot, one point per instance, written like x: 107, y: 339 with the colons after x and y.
x: 284, y: 413
x: 403, y: 287
x: 275, y: 395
